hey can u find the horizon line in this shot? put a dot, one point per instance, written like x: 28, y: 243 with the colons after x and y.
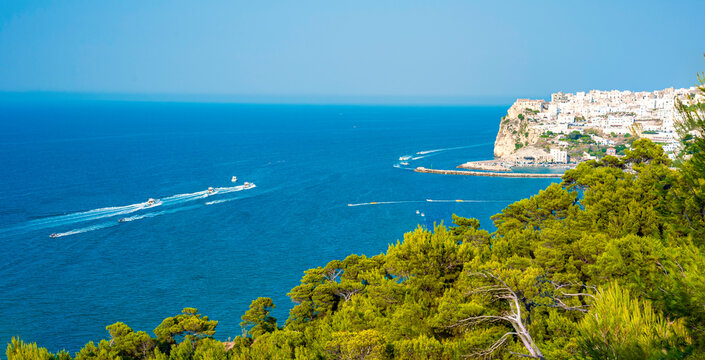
x: 420, y: 100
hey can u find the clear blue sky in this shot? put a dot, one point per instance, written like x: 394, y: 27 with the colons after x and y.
x: 348, y: 49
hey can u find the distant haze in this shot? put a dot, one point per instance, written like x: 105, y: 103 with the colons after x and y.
x: 347, y: 51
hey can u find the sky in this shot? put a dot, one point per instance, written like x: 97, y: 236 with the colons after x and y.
x: 308, y: 51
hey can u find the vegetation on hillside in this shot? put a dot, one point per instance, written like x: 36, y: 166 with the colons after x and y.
x: 605, y: 265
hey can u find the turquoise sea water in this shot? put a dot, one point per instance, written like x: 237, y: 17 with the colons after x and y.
x: 76, y: 168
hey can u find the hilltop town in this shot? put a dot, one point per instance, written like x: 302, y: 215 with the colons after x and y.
x: 585, y: 125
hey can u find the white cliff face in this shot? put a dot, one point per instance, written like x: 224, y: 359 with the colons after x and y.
x: 515, y: 137
x: 504, y: 145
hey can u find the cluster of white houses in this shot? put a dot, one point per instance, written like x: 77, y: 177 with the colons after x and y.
x: 610, y: 112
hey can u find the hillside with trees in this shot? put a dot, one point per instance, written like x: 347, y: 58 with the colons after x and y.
x: 606, y: 264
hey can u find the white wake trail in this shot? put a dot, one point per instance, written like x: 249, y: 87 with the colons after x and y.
x: 468, y: 201
x: 82, y: 216
x: 84, y: 230
x: 114, y: 211
x: 386, y: 202
x: 157, y: 213
x: 424, y: 152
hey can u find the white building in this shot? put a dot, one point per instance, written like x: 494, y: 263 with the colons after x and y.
x: 559, y: 156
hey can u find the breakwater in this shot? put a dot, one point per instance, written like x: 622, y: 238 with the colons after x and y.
x: 481, y: 173
x: 490, y: 165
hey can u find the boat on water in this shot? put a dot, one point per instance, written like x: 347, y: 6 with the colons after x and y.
x: 234, y: 179
x: 54, y: 235
x: 404, y: 158
x: 248, y: 185
x: 210, y: 190
x: 417, y: 212
x: 151, y: 202
x: 404, y: 163
x: 422, y: 214
x: 122, y: 220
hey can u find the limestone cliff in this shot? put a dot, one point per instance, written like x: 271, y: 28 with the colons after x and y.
x: 516, y: 139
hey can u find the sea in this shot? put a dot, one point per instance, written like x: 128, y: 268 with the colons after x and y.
x: 328, y: 182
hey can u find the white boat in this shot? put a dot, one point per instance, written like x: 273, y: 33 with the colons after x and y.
x: 422, y: 214
x: 234, y: 179
x: 404, y: 158
x: 248, y: 185
x: 210, y: 190
x: 417, y: 212
x: 151, y: 202
x: 54, y: 235
x: 404, y: 163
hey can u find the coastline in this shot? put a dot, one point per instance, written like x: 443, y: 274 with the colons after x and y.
x: 492, y: 174
x: 504, y: 165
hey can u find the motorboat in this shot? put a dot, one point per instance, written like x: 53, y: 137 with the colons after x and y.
x: 122, y: 220
x: 211, y: 190
x: 54, y: 235
x: 404, y: 158
x: 248, y: 185
x: 417, y: 212
x: 422, y: 214
x: 151, y: 202
x: 234, y: 179
x: 404, y: 163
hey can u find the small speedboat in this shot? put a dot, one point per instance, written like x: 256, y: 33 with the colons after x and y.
x: 417, y: 212
x: 404, y: 158
x: 122, y: 220
x: 211, y: 190
x: 404, y: 163
x: 422, y: 214
x: 234, y: 179
x: 248, y: 185
x: 54, y: 235
x: 151, y: 202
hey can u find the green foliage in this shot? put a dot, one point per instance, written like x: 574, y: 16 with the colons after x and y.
x: 19, y: 350
x: 521, y: 116
x: 189, y: 325
x: 257, y: 317
x: 620, y: 326
x: 577, y: 137
x: 692, y: 159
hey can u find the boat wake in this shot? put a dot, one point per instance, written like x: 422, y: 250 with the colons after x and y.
x: 82, y: 216
x: 116, y: 211
x: 425, y: 152
x: 429, y: 200
x: 157, y: 213
x: 469, y: 201
x: 386, y: 202
x: 84, y: 229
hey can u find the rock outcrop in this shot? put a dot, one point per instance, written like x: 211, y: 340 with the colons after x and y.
x: 515, y: 138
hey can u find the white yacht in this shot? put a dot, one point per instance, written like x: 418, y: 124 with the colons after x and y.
x: 404, y: 158
x: 234, y: 179
x: 211, y: 190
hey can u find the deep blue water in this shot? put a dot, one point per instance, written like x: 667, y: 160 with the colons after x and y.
x: 58, y: 159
